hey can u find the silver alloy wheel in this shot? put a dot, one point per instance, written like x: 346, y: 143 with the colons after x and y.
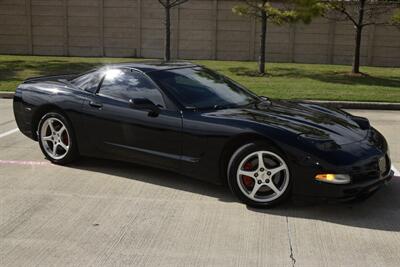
x: 55, y: 138
x: 269, y: 177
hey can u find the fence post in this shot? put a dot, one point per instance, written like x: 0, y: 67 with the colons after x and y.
x: 252, y: 39
x: 139, y: 29
x: 292, y: 42
x: 331, y: 38
x: 65, y: 31
x: 101, y: 27
x: 28, y: 11
x: 214, y: 52
x: 371, y: 41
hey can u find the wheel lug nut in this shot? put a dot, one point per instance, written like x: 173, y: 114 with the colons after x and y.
x: 261, y: 169
x: 259, y: 181
x: 269, y: 173
x: 256, y: 175
x: 267, y: 181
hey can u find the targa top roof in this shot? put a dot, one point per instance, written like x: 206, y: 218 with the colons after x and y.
x: 150, y: 66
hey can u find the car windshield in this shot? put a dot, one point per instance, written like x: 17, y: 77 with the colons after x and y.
x: 201, y: 88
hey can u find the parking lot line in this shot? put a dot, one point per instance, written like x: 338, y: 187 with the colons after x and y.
x: 24, y: 162
x: 9, y: 132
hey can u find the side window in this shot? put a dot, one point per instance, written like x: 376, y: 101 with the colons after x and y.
x: 88, y: 82
x: 125, y: 85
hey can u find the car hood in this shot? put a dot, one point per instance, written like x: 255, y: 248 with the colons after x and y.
x: 311, y: 120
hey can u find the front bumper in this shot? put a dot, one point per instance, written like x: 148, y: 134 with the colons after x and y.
x: 360, y: 160
x: 354, y: 191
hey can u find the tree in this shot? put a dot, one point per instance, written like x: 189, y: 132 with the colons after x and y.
x: 361, y: 13
x: 168, y: 4
x: 279, y: 13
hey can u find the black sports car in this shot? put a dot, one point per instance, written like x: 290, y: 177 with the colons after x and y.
x: 189, y: 119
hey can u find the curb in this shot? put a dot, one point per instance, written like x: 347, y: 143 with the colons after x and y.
x: 335, y: 104
x: 7, y: 95
x: 356, y: 105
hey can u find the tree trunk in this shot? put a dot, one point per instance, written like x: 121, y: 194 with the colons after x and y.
x: 263, y: 37
x: 359, y: 28
x: 357, y: 51
x: 167, y: 45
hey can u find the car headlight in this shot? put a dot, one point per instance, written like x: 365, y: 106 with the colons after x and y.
x: 333, y: 178
x: 314, y: 137
x: 321, y: 142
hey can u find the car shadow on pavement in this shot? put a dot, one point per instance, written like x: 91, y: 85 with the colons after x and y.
x: 155, y: 176
x: 381, y: 211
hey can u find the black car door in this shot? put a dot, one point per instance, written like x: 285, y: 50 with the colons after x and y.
x: 118, y: 130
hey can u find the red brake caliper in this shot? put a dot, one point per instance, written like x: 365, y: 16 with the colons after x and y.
x: 247, y: 180
x: 65, y: 138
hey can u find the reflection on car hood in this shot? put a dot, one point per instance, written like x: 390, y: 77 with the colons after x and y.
x: 301, y: 118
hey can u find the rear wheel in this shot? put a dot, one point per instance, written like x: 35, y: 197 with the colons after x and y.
x: 56, y: 138
x: 259, y: 175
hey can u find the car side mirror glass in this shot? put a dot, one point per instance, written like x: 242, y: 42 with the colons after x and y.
x: 144, y: 104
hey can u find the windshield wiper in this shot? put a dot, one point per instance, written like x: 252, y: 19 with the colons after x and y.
x: 225, y: 106
x: 262, y: 101
x: 215, y: 107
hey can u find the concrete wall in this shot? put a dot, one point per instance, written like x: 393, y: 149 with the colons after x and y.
x: 201, y: 29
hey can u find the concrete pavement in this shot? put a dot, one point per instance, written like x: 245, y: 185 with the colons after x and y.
x: 98, y: 212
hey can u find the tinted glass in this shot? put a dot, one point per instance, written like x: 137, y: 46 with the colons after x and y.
x: 126, y: 85
x: 89, y: 81
x: 202, y: 88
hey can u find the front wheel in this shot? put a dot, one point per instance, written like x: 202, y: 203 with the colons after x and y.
x: 259, y: 175
x: 56, y: 138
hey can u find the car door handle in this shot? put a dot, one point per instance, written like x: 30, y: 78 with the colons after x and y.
x: 95, y: 104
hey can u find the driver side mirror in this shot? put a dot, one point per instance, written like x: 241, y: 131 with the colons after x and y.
x: 144, y: 104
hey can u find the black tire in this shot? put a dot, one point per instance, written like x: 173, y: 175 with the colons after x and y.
x: 72, y: 153
x: 233, y: 166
